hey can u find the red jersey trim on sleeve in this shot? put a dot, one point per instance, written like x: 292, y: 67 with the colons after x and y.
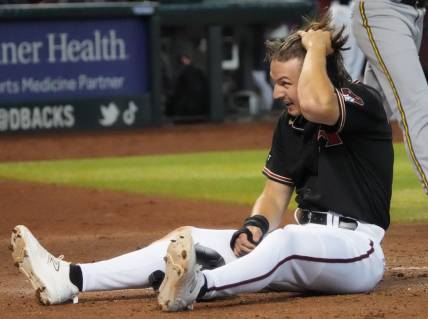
x: 342, y: 111
x: 277, y: 178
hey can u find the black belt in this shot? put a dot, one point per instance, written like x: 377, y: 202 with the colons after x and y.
x: 306, y: 216
x: 414, y: 3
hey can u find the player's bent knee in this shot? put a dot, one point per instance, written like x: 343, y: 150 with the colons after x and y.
x: 183, y: 229
x: 177, y: 231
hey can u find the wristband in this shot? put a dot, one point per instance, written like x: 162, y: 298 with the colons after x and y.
x: 259, y: 221
x: 256, y: 220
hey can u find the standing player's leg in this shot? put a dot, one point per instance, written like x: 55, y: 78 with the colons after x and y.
x: 353, y: 57
x: 371, y: 79
x: 390, y: 35
x: 55, y: 279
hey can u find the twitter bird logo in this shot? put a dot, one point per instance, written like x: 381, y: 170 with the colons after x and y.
x: 110, y: 114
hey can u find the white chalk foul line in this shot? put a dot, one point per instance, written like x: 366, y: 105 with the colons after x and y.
x: 408, y: 268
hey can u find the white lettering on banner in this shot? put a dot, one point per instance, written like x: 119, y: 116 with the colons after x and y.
x: 36, y: 120
x: 99, y: 48
x: 20, y: 53
x: 48, y: 85
x: 46, y: 117
x: 69, y: 116
x: 100, y: 82
x: 60, y: 85
x: 14, y: 119
x: 9, y: 87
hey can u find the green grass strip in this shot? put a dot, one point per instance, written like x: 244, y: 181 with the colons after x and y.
x: 226, y: 176
x: 233, y: 177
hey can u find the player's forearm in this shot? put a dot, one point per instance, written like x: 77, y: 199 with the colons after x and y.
x: 272, y: 206
x: 315, y: 90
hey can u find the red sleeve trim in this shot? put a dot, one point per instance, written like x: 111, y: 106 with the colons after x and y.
x: 277, y: 178
x: 342, y: 111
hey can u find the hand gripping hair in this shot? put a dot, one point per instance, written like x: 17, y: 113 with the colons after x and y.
x: 291, y: 47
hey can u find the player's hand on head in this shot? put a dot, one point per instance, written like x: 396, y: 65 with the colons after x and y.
x: 316, y: 38
x: 243, y: 244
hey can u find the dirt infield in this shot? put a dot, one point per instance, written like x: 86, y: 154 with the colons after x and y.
x: 87, y: 225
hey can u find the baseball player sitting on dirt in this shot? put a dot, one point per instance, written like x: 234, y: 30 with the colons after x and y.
x: 332, y: 146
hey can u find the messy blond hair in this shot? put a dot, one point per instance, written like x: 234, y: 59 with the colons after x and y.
x: 291, y: 47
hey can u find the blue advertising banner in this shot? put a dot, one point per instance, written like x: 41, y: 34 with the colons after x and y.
x: 74, y: 74
x: 48, y: 60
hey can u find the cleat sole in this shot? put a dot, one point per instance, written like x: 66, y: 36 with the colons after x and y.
x: 20, y: 259
x: 176, y: 261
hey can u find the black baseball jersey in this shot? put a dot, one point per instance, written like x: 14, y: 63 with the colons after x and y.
x: 345, y: 168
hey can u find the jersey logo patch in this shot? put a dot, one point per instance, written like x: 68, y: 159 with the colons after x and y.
x: 351, y: 97
x: 330, y: 138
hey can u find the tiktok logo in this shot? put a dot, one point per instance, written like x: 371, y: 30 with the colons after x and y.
x: 130, y: 113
